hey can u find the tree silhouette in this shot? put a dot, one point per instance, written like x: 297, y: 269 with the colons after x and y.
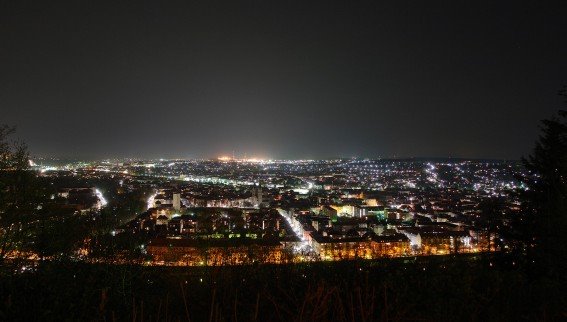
x: 544, y: 223
x: 17, y: 199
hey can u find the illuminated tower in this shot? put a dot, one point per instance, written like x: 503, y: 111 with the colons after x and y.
x: 176, y: 201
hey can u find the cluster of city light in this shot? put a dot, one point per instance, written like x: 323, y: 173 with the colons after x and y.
x: 431, y: 172
x: 303, y: 246
x: 101, y: 198
x: 45, y: 169
x: 151, y: 200
x: 225, y: 158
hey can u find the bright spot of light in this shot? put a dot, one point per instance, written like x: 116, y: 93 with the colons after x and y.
x: 151, y: 200
x: 101, y: 198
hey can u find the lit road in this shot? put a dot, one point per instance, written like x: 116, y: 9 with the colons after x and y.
x: 151, y: 200
x: 303, y: 246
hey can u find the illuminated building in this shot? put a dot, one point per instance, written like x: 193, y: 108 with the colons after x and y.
x: 214, y: 252
x: 176, y: 201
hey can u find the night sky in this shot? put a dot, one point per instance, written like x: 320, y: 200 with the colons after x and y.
x: 281, y: 79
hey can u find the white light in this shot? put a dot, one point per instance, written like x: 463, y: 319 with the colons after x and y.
x: 295, y: 226
x: 151, y: 200
x: 103, y: 201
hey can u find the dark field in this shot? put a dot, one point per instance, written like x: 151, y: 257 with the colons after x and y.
x: 449, y: 288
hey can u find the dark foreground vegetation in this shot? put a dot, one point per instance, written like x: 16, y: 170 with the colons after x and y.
x: 495, y: 287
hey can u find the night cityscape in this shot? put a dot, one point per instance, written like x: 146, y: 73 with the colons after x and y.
x: 296, y: 211
x: 294, y: 161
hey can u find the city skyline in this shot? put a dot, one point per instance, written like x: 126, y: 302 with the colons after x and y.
x: 37, y: 160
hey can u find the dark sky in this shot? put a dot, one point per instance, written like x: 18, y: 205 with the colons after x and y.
x: 281, y: 79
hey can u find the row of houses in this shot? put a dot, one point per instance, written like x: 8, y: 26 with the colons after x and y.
x: 217, y: 252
